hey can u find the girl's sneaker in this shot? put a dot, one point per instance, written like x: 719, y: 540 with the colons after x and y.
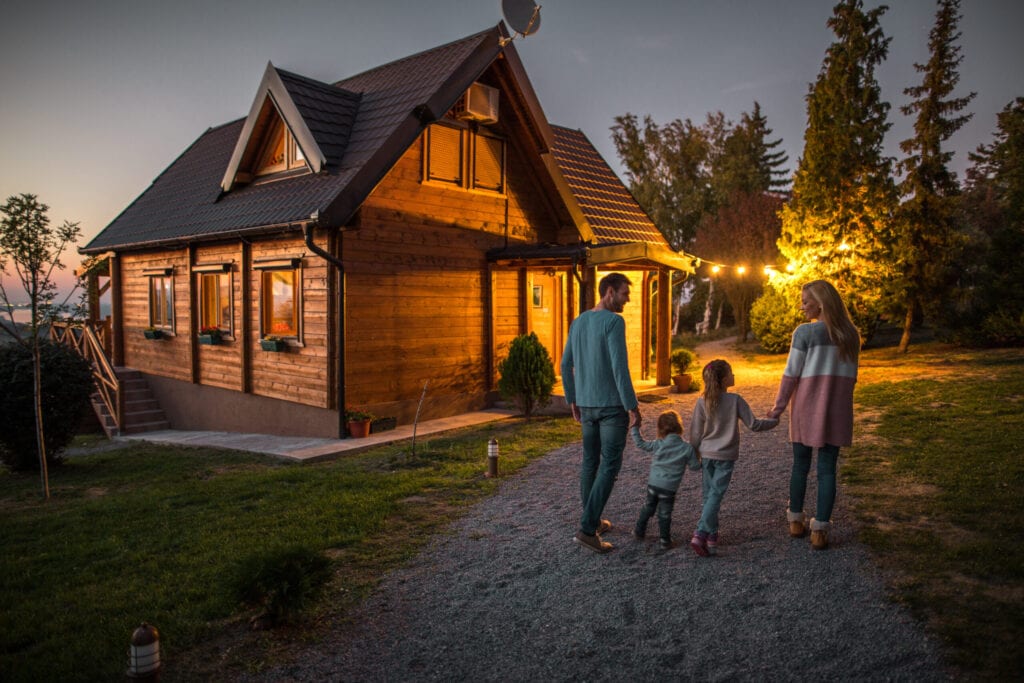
x: 712, y: 543
x: 699, y: 543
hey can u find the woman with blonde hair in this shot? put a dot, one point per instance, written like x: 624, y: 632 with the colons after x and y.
x: 818, y: 381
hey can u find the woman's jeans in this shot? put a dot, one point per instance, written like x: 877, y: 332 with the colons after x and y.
x: 661, y: 501
x: 828, y: 457
x: 714, y: 484
x: 604, y: 439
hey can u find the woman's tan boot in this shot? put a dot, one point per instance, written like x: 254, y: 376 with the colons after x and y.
x: 797, y: 524
x: 819, y: 534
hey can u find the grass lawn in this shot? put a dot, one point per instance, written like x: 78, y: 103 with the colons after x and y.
x: 154, y: 533
x: 937, y: 469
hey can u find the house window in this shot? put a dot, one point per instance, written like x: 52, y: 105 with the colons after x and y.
x: 279, y: 302
x: 215, y: 301
x: 446, y: 159
x: 161, y: 302
x: 280, y: 151
x: 488, y: 163
x: 444, y: 154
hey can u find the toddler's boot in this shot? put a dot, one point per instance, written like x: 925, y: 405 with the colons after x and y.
x: 819, y: 534
x: 713, y: 543
x: 699, y: 543
x: 797, y: 523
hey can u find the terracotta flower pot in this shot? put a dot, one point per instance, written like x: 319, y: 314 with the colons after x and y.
x: 359, y: 429
x: 682, y: 383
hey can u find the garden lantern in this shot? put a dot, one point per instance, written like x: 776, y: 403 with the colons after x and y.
x: 144, y: 654
x: 492, y: 458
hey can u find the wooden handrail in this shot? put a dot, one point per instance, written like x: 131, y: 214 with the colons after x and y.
x: 88, y: 343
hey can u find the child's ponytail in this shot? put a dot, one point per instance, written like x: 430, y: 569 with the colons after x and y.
x: 714, y: 386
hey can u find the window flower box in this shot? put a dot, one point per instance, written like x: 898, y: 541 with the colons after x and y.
x: 273, y: 344
x: 153, y: 333
x: 210, y: 335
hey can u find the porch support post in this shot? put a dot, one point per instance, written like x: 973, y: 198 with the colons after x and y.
x: 489, y: 333
x: 116, y: 312
x: 524, y: 310
x: 664, y: 323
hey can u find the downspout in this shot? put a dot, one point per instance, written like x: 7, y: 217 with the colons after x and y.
x: 340, y: 266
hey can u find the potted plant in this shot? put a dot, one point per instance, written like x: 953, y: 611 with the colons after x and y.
x: 682, y: 359
x: 357, y: 422
x: 272, y: 342
x: 153, y: 333
x: 209, y: 335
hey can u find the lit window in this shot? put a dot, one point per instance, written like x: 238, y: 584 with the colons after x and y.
x: 161, y: 302
x: 215, y: 301
x: 279, y: 303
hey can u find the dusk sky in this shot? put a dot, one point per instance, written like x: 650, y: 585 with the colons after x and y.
x: 98, y: 98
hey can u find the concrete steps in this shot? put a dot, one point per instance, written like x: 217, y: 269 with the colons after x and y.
x: 142, y: 411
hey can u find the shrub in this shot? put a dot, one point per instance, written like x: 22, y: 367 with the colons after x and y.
x: 682, y: 359
x: 66, y: 386
x: 527, y: 375
x: 773, y: 317
x: 283, y: 581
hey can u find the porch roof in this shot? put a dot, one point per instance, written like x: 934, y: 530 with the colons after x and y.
x: 624, y: 255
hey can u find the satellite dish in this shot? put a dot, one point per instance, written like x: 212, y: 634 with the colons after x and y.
x: 523, y: 17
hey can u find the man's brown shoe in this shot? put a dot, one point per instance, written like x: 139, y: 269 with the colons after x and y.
x: 604, y: 527
x: 592, y: 542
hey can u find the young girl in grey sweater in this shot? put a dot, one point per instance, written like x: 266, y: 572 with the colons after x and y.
x: 715, y: 435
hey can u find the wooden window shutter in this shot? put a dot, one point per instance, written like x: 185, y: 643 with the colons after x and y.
x: 444, y: 154
x: 489, y: 164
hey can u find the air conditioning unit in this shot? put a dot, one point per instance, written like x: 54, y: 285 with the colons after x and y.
x: 479, y: 103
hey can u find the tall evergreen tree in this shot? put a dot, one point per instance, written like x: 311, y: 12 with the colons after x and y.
x: 927, y: 233
x: 747, y: 162
x: 838, y: 223
x: 987, y: 306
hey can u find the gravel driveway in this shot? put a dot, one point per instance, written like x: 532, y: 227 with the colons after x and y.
x: 507, y: 595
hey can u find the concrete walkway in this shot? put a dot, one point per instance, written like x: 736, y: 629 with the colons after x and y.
x: 310, y: 449
x: 306, y: 449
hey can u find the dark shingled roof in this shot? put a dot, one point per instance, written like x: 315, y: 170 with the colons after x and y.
x: 612, y: 212
x: 362, y: 125
x: 328, y: 111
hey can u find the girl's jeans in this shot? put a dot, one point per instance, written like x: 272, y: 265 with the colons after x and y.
x: 714, y: 484
x: 604, y: 439
x: 828, y: 456
x: 662, y: 501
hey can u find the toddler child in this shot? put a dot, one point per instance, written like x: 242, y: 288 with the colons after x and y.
x: 714, y: 433
x: 671, y: 455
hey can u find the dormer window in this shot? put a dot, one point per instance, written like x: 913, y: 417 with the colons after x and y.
x: 280, y: 151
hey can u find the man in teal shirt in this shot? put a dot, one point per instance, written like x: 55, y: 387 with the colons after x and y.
x: 599, y: 391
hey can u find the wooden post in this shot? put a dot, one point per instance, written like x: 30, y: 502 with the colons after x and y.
x: 664, y: 341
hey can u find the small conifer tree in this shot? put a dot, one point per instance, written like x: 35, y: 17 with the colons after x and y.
x: 527, y: 374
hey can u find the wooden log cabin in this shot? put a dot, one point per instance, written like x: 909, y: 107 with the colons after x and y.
x: 347, y: 244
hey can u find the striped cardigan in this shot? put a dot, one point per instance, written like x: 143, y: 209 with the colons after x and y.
x: 820, y: 386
